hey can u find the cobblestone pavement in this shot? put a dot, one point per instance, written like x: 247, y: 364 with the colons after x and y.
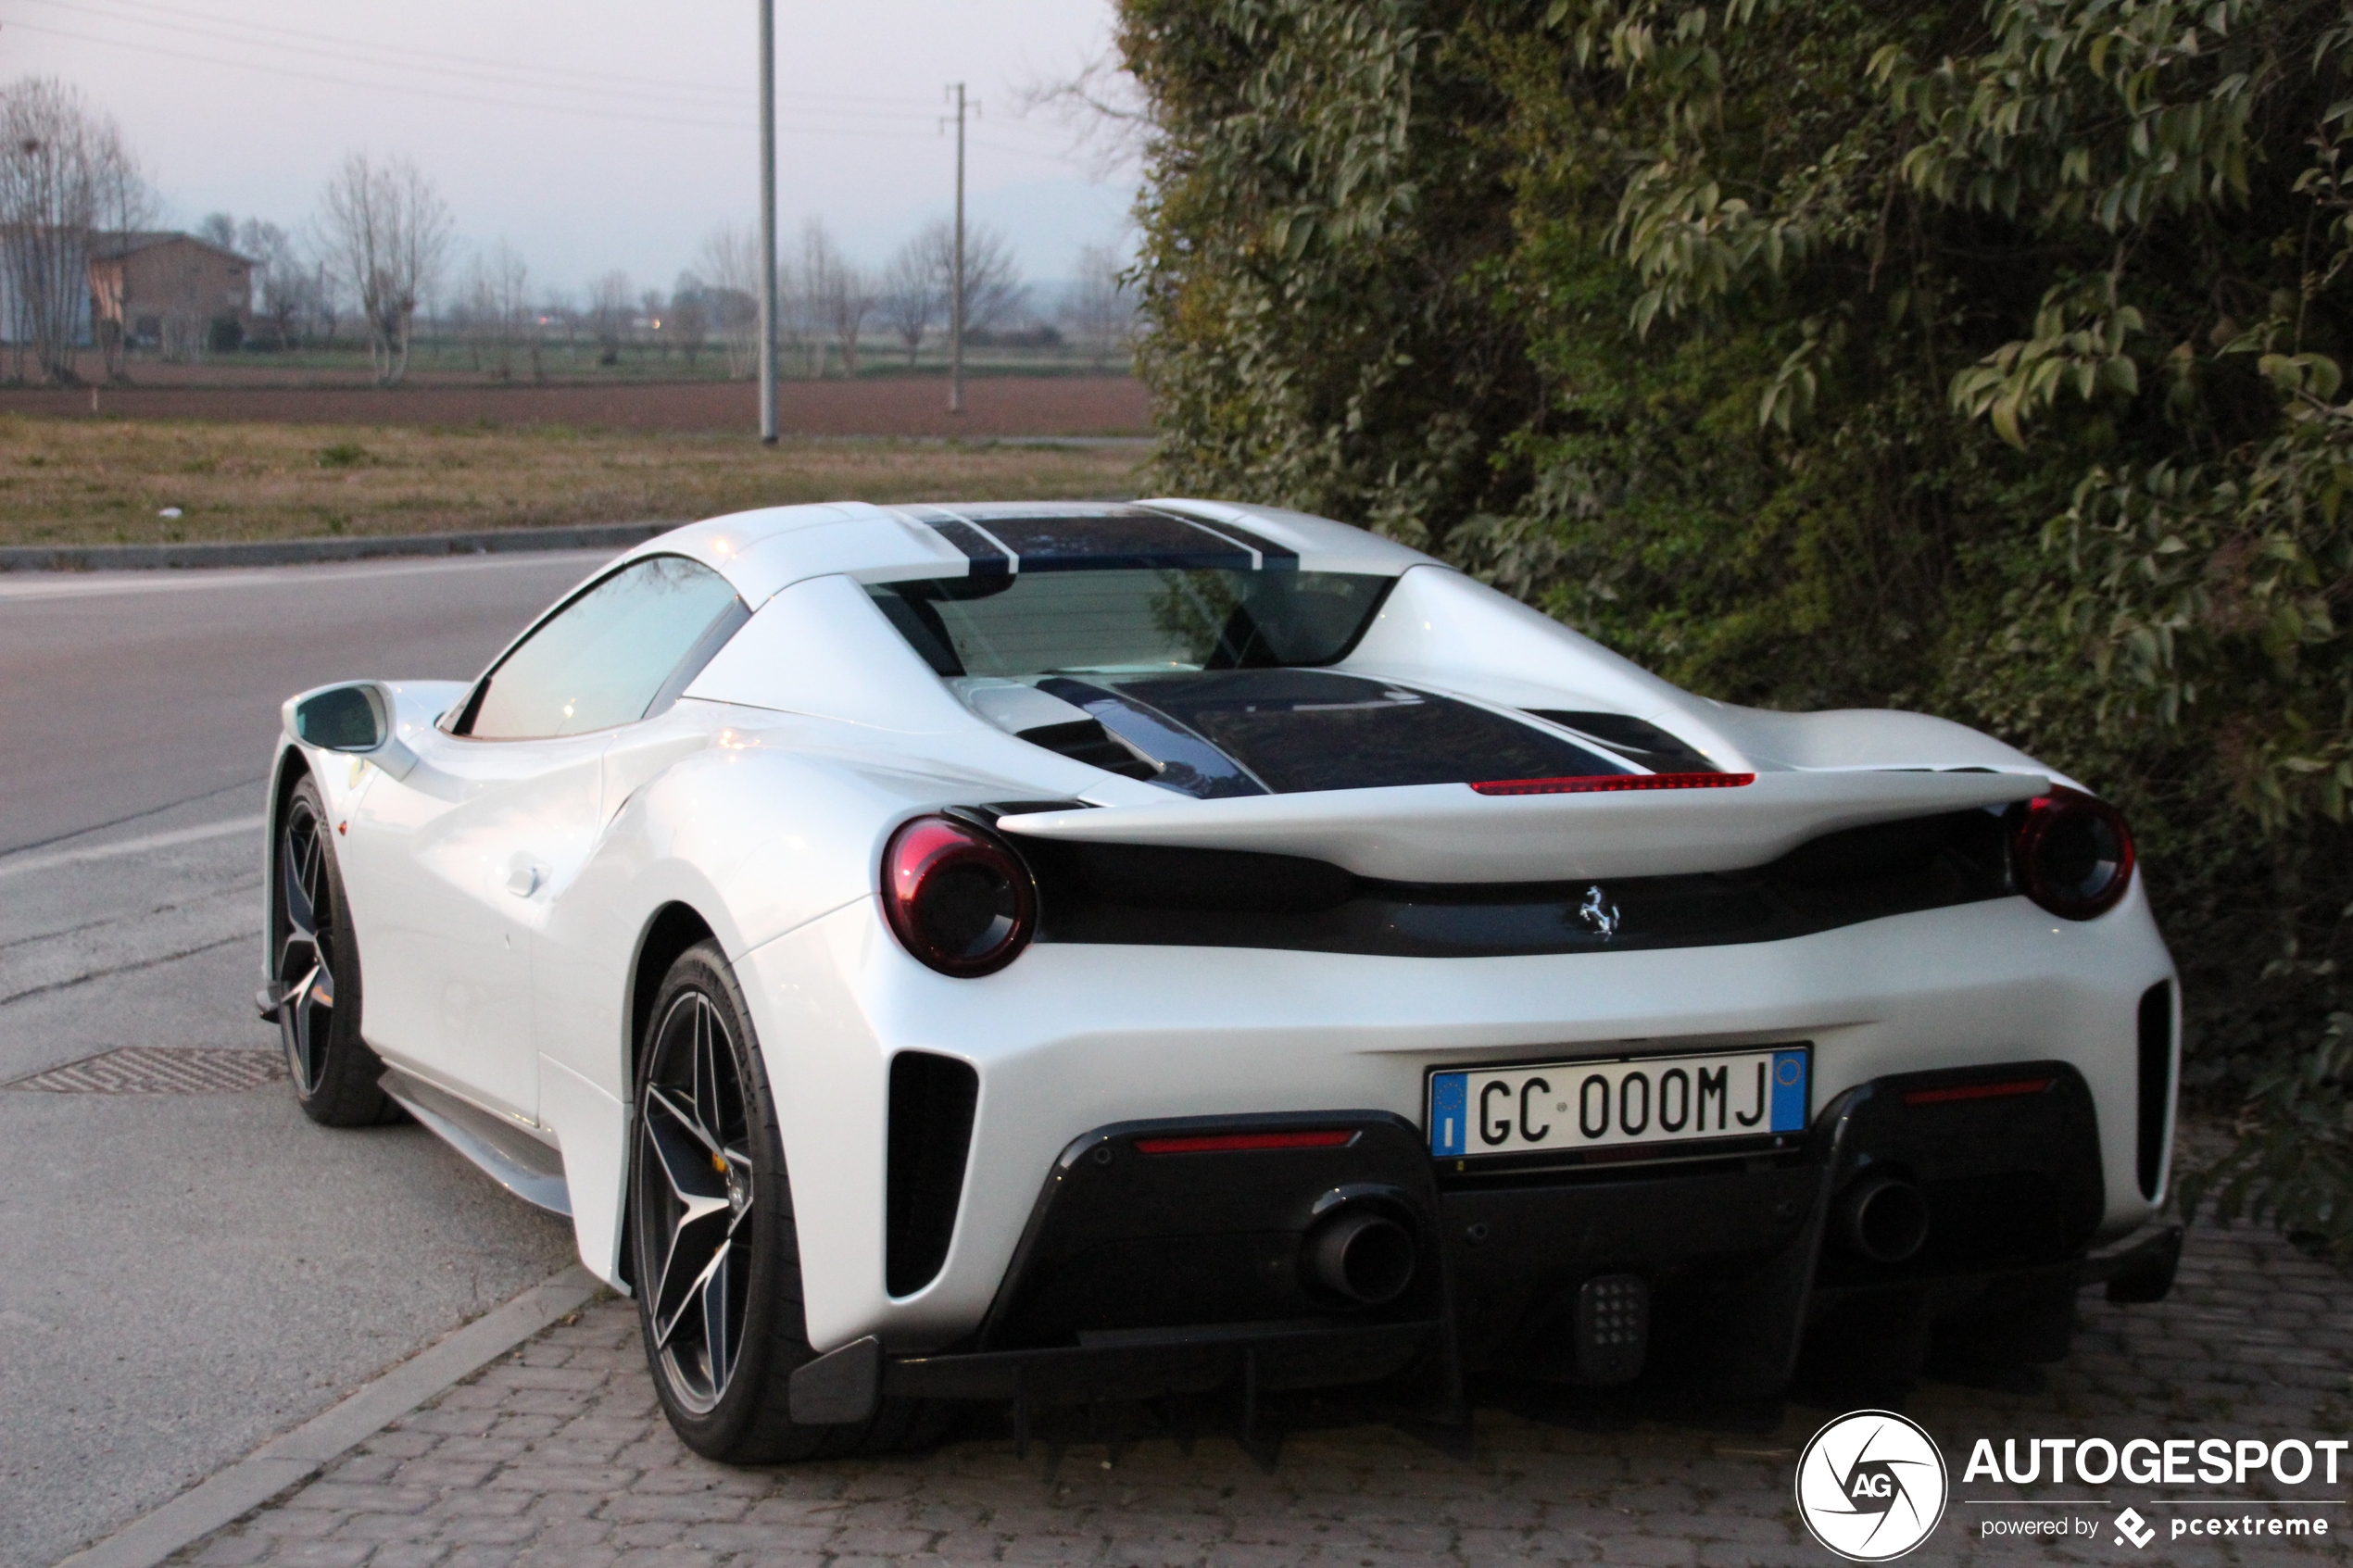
x: 557, y: 1455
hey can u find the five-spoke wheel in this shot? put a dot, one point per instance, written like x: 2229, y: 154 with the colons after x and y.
x: 314, y: 974
x: 695, y: 1200
x: 305, y: 950
x: 714, y: 1254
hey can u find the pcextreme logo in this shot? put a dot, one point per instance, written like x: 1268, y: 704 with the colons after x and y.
x: 1871, y: 1485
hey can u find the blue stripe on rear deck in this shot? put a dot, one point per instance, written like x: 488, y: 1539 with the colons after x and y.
x: 987, y: 560
x: 1136, y: 542
x: 1279, y: 557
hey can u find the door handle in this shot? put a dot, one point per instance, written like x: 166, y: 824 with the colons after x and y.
x: 524, y: 876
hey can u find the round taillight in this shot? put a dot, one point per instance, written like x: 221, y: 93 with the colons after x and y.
x: 2072, y: 853
x: 957, y: 897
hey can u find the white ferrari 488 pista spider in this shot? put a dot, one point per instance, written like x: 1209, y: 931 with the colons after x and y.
x: 1042, y: 953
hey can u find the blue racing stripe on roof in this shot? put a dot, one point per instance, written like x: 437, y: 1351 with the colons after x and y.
x: 1279, y: 557
x: 1000, y: 538
x: 987, y: 560
x: 1271, y: 555
x: 1133, y: 540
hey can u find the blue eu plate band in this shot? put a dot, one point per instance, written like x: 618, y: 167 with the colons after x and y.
x: 1448, y: 1094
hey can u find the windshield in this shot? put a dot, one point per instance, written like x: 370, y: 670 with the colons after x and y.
x: 1131, y: 621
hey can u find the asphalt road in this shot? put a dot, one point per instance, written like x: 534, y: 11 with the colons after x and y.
x: 187, y: 1275
x: 125, y: 692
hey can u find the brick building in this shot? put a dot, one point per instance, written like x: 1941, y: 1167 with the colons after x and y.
x: 170, y: 291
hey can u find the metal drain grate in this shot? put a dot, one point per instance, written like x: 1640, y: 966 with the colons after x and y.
x: 160, y: 1070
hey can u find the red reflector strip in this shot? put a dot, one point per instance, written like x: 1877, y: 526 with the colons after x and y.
x: 1228, y: 1143
x: 1977, y: 1091
x: 1607, y: 783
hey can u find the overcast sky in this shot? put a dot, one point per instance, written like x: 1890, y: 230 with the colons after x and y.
x: 596, y: 133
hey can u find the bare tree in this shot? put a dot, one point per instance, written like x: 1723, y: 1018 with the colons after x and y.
x: 459, y: 321
x: 795, y: 315
x: 1097, y: 310
x: 126, y: 204
x: 1099, y: 105
x: 850, y: 301
x: 219, y: 229
x: 330, y: 302
x: 610, y: 311
x: 729, y: 262
x: 993, y: 287
x: 282, y: 293
x: 911, y: 297
x: 557, y: 310
x: 66, y: 180
x: 519, y: 331
x: 293, y: 292
x: 493, y: 313
x: 655, y: 308
x: 387, y: 231
x: 688, y: 322
x: 817, y: 284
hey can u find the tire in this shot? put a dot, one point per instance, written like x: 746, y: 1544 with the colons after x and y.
x: 314, y: 965
x: 715, y: 1253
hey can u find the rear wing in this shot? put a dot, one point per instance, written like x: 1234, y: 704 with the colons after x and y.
x: 1455, y: 833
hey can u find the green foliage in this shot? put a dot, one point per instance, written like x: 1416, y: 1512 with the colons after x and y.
x: 1976, y: 358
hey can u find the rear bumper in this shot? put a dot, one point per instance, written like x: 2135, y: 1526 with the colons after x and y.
x: 1143, y: 1272
x: 1073, y: 1036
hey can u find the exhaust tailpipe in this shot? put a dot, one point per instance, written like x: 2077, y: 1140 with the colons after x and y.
x: 1360, y: 1254
x: 1883, y: 1217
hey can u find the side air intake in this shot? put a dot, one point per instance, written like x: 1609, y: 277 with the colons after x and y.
x: 931, y: 1128
x: 2156, y: 1082
x: 1086, y: 740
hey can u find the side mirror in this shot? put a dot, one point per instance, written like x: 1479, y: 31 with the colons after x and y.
x: 355, y: 719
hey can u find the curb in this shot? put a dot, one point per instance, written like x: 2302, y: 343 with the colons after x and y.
x: 296, y: 552
x: 288, y: 1460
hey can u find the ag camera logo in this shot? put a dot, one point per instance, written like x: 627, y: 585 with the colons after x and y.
x: 1871, y: 1485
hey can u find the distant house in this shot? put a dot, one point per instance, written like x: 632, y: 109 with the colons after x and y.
x: 170, y: 291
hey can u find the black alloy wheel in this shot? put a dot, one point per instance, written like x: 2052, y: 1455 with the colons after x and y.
x: 314, y: 972
x: 696, y: 1201
x: 714, y: 1253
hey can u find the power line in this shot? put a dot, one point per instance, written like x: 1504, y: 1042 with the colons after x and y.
x: 351, y: 82
x: 253, y: 35
x: 629, y: 79
x: 400, y: 91
x: 348, y: 52
x: 1023, y: 152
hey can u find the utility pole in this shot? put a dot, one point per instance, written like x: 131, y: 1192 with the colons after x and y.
x: 956, y: 280
x: 768, y: 221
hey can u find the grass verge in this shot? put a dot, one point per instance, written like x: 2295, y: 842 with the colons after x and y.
x: 103, y: 482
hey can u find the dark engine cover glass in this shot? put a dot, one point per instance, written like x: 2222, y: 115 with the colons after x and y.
x: 1286, y: 730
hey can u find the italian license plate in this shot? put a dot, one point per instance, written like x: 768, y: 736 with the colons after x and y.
x: 1568, y: 1105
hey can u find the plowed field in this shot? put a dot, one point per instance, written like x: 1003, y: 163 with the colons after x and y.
x: 995, y: 407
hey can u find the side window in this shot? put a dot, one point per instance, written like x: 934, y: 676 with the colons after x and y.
x: 620, y: 652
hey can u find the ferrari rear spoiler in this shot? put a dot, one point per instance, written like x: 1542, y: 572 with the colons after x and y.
x: 1464, y: 832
